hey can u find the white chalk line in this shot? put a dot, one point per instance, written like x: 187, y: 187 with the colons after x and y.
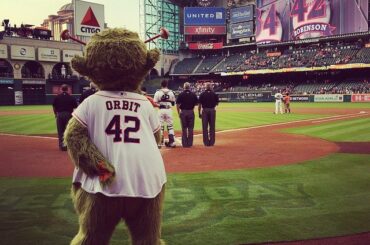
x: 336, y: 117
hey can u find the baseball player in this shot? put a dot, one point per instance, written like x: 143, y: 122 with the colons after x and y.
x: 278, y: 107
x: 166, y: 99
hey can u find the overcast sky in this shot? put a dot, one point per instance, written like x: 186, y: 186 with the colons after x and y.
x: 118, y: 13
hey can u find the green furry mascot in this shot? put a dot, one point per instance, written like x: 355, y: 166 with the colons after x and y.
x: 112, y: 140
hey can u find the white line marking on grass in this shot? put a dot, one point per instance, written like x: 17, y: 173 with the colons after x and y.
x: 28, y: 136
x: 336, y: 117
x: 342, y: 117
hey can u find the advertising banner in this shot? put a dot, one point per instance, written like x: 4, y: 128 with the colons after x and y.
x: 69, y: 54
x: 205, y: 45
x: 49, y: 54
x: 194, y: 16
x: 41, y: 82
x: 328, y: 98
x: 241, y: 30
x: 300, y: 98
x: 241, y: 14
x: 22, y: 52
x: 284, y: 20
x: 3, y: 51
x: 245, y: 96
x: 204, y: 30
x: 273, y: 54
x: 56, y: 89
x: 360, y: 98
x: 6, y: 81
x: 18, y: 97
x: 88, y: 18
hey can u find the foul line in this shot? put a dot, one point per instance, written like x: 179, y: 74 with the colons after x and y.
x: 314, y: 120
x: 178, y: 139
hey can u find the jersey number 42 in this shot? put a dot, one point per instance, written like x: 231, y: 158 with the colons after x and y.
x: 114, y: 128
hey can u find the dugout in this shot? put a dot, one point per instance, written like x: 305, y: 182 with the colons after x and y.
x: 6, y: 92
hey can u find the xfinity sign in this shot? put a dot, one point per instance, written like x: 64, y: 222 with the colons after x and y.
x: 89, y: 18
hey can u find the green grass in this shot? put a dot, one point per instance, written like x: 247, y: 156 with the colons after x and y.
x: 325, y: 197
x: 356, y: 130
x: 32, y: 124
x: 27, y: 108
x: 319, y: 198
x: 28, y: 124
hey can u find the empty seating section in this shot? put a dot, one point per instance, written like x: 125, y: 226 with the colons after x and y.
x: 208, y: 63
x: 313, y: 88
x: 186, y: 66
x: 363, y: 56
x: 230, y: 63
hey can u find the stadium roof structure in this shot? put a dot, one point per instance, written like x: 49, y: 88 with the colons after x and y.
x: 155, y: 14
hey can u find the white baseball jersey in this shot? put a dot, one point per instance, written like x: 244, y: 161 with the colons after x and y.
x: 121, y: 125
x: 278, y: 96
x: 278, y: 108
x: 166, y: 99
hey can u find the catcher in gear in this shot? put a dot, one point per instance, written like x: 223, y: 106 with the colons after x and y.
x: 166, y: 99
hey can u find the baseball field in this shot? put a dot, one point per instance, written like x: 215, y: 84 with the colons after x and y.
x: 300, y: 177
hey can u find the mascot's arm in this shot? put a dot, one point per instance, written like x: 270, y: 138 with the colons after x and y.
x: 85, y: 154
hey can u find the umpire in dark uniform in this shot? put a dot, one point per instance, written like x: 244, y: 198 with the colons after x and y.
x: 63, y: 106
x: 185, y: 103
x: 208, y: 100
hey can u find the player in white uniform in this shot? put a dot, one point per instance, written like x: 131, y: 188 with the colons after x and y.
x: 166, y: 99
x: 121, y: 125
x: 278, y: 107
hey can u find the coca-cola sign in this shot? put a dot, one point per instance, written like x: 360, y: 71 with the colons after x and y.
x: 205, y: 45
x: 205, y: 3
x: 205, y: 30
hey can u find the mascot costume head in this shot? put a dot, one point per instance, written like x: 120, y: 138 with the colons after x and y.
x: 106, y: 138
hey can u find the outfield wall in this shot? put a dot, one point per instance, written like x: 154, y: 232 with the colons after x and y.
x: 258, y: 96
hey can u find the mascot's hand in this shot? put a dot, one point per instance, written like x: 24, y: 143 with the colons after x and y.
x: 106, y: 173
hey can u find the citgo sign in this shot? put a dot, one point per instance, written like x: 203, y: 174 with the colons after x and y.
x: 89, y: 18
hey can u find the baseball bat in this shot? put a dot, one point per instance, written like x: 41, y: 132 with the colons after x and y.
x: 163, y: 33
x: 65, y: 36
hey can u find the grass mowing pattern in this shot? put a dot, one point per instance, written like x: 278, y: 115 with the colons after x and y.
x: 45, y: 123
x: 327, y: 197
x: 28, y: 124
x: 355, y: 130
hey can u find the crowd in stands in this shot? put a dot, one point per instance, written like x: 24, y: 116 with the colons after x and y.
x: 304, y: 88
x: 200, y: 86
x: 314, y: 55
